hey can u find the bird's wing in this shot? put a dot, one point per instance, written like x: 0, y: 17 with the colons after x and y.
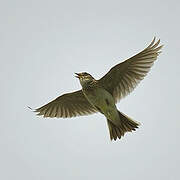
x: 68, y: 105
x: 124, y: 77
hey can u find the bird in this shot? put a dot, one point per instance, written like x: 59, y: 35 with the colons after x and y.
x: 102, y: 95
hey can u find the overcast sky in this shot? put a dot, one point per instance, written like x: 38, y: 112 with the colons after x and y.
x: 42, y: 44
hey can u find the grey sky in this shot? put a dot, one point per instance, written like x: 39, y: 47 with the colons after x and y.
x: 42, y: 44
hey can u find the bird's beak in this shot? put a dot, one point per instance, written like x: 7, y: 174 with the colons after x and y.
x: 78, y: 75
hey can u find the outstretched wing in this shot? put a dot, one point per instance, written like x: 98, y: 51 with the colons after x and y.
x: 125, y: 76
x: 68, y: 105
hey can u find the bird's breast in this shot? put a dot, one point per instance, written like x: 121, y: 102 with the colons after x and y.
x: 99, y: 97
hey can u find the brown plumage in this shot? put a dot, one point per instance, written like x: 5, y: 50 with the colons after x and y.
x: 116, y: 84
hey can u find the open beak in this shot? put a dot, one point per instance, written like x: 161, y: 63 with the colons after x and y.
x: 78, y: 75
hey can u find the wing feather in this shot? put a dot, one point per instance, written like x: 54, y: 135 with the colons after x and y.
x: 68, y: 105
x: 125, y: 76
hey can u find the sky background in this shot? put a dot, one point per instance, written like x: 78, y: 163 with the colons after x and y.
x: 42, y: 44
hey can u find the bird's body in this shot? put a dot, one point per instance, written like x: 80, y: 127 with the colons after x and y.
x: 103, y: 94
x: 103, y: 101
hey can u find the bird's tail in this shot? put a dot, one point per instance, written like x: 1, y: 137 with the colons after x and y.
x: 127, y: 125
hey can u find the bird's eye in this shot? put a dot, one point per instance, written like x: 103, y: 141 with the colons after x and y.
x: 86, y: 74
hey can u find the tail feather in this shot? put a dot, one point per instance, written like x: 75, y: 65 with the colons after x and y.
x: 127, y: 125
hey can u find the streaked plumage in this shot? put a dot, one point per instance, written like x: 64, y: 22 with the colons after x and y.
x: 117, y: 83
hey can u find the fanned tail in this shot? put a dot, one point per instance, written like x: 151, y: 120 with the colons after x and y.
x: 127, y: 125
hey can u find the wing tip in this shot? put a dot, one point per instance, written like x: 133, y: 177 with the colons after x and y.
x: 152, y: 44
x: 33, y: 110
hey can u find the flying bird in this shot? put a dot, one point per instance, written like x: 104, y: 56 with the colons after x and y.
x: 103, y: 94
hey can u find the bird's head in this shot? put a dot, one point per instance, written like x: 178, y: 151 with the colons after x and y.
x: 84, y: 78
